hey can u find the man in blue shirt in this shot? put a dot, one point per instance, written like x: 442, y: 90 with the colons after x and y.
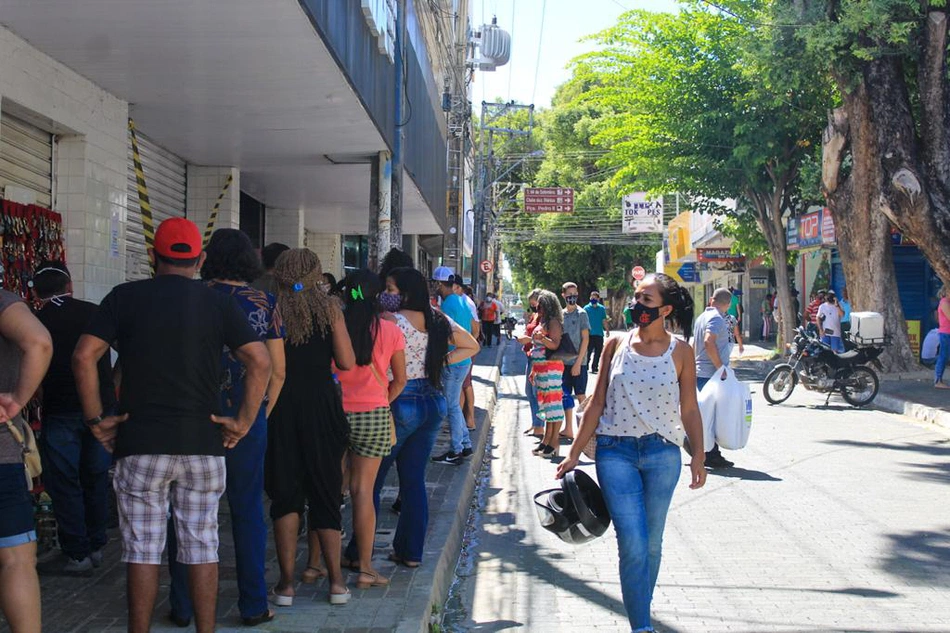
x: 453, y: 376
x: 599, y: 328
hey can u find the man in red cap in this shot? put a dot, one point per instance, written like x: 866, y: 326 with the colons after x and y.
x: 168, y: 441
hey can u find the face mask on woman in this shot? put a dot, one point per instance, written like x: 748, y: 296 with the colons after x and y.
x: 390, y: 302
x: 643, y: 315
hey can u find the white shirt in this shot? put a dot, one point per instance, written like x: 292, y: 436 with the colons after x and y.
x: 832, y: 320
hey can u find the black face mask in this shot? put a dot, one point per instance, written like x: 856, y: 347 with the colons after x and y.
x: 571, y: 300
x: 642, y: 315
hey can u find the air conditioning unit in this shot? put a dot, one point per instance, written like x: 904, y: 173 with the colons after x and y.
x: 491, y: 47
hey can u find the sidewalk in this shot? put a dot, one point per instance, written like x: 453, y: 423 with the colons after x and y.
x: 98, y: 604
x: 913, y: 394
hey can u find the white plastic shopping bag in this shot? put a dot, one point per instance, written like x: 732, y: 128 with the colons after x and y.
x: 733, y: 420
x: 707, y: 409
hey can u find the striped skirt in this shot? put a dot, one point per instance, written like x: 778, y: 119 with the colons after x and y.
x: 548, y: 375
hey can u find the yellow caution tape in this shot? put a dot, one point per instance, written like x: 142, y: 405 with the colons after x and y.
x: 148, y: 226
x: 214, y: 212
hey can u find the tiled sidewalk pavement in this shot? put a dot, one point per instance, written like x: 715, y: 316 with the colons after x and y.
x: 98, y: 604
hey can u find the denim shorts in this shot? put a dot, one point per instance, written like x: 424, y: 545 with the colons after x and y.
x: 16, y: 507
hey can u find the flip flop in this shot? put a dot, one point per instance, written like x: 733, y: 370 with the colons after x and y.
x: 411, y: 564
x: 312, y: 574
x: 281, y: 600
x: 340, y: 598
x: 377, y: 580
x: 267, y: 616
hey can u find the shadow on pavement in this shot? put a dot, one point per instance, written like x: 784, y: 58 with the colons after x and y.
x: 920, y: 557
x: 742, y: 473
x: 863, y: 592
x: 939, y: 448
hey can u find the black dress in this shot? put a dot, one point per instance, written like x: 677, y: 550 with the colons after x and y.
x: 307, y: 436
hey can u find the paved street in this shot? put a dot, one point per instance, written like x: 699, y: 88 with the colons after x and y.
x: 833, y: 520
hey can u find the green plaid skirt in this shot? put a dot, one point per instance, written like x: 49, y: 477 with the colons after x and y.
x: 370, y: 432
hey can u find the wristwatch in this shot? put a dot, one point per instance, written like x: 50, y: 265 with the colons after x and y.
x: 94, y: 421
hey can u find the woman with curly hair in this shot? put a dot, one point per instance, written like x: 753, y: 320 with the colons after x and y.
x: 308, y: 431
x: 230, y: 266
x: 546, y: 374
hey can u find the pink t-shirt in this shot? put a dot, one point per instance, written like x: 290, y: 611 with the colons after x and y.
x: 942, y: 319
x: 361, y: 390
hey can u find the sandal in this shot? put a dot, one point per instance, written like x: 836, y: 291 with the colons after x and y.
x: 411, y: 564
x: 340, y: 598
x: 352, y: 565
x: 281, y: 600
x: 267, y: 616
x: 377, y: 580
x: 312, y: 574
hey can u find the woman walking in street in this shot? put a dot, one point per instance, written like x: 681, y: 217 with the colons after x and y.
x: 419, y: 410
x: 308, y: 431
x: 547, y: 374
x: 367, y: 393
x: 643, y: 409
x: 231, y: 265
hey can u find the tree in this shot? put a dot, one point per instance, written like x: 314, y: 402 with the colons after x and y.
x: 700, y: 107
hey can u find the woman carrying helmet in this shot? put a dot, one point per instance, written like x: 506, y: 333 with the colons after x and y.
x: 642, y: 410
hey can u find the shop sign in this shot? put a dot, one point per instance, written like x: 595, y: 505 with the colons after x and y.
x: 828, y: 235
x: 913, y: 334
x: 809, y: 230
x: 641, y: 215
x: 716, y: 255
x: 380, y: 17
x: 759, y: 282
x: 791, y: 234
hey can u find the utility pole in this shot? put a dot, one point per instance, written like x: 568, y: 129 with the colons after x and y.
x: 458, y: 111
x: 398, y: 159
x: 486, y: 178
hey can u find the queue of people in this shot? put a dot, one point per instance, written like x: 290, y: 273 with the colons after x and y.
x: 264, y: 376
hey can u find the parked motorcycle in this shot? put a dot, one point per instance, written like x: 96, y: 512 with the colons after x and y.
x: 821, y: 369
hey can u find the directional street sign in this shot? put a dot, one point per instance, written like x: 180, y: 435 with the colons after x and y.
x: 548, y: 200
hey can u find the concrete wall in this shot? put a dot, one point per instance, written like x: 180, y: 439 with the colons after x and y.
x: 89, y: 157
x: 204, y: 187
x: 329, y: 246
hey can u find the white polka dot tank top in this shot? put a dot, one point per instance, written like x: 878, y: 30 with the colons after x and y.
x: 643, y: 396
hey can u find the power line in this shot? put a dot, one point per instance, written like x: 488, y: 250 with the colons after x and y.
x: 537, y: 65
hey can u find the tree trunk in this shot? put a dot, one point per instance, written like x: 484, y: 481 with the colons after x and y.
x: 861, y: 226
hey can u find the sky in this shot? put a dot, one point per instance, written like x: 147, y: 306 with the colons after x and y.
x: 565, y: 23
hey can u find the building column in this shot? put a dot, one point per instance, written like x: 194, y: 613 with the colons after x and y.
x: 205, y: 184
x: 329, y: 247
x: 284, y: 226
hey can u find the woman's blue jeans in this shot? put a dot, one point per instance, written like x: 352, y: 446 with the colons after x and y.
x: 943, y: 354
x: 419, y: 412
x: 245, y: 492
x: 638, y: 476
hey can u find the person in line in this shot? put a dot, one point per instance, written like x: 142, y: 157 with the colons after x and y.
x: 639, y: 436
x: 26, y: 349
x: 418, y: 411
x: 453, y: 376
x: 574, y: 381
x: 735, y: 334
x: 930, y: 348
x: 943, y: 328
x: 811, y: 313
x: 765, y: 309
x: 537, y: 424
x: 170, y: 438
x: 713, y: 344
x: 599, y: 328
x: 829, y: 322
x: 845, y: 304
x: 490, y: 310
x: 379, y: 346
x: 269, y: 255
x: 75, y: 465
x: 308, y: 432
x: 548, y: 374
x: 468, y: 391
x: 395, y: 258
x: 231, y: 264
x: 735, y: 307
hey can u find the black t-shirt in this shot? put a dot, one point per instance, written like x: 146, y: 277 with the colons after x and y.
x: 66, y: 319
x: 170, y: 332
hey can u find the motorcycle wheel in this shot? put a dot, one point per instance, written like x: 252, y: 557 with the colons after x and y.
x: 779, y: 384
x: 859, y: 386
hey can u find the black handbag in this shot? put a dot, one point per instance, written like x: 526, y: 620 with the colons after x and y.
x: 565, y: 352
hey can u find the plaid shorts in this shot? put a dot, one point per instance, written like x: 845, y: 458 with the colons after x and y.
x: 370, y: 434
x: 144, y: 487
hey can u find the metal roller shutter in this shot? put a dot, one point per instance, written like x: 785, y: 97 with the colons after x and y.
x: 165, y: 177
x: 26, y: 158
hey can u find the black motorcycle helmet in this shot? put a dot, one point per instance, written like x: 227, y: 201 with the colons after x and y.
x: 575, y: 512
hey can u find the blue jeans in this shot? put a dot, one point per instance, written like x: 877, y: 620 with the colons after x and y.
x: 638, y: 476
x: 835, y: 341
x: 943, y: 354
x: 245, y: 491
x: 532, y: 397
x: 452, y: 378
x: 418, y: 411
x: 76, y: 476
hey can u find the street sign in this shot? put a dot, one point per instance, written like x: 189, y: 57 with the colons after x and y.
x: 486, y: 266
x: 548, y: 200
x: 639, y: 273
x: 641, y: 215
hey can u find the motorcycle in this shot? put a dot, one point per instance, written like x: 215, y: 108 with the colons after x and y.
x: 821, y: 369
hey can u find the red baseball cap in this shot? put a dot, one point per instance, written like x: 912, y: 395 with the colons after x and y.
x: 178, y: 238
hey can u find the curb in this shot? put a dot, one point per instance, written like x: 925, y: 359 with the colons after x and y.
x: 914, y: 410
x: 447, y: 539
